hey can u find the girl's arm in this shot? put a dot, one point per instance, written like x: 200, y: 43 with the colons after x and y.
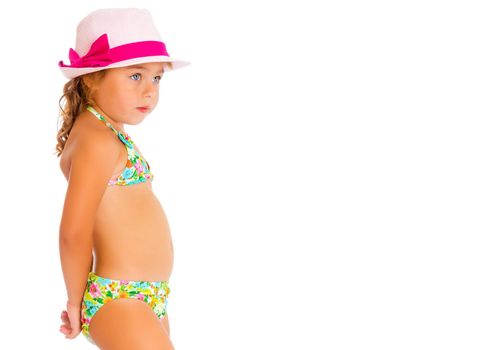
x: 92, y: 164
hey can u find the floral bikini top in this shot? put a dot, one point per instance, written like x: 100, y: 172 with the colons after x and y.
x: 137, y: 168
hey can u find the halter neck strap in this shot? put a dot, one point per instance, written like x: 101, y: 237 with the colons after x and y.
x: 102, y: 119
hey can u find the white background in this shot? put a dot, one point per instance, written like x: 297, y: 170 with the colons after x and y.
x: 323, y: 166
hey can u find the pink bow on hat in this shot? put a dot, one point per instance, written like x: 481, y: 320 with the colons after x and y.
x: 99, y: 55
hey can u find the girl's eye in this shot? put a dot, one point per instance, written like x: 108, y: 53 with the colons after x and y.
x: 159, y: 78
x: 135, y: 74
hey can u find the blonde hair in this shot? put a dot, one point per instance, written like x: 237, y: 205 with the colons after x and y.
x: 77, y: 95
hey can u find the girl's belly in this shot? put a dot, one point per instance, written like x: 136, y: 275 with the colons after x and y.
x: 132, y: 237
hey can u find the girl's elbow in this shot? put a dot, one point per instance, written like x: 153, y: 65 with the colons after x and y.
x: 75, y: 238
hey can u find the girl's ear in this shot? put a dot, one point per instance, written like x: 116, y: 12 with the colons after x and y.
x: 92, y: 81
x: 89, y: 82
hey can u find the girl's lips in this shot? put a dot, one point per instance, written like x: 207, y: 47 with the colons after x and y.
x: 143, y: 109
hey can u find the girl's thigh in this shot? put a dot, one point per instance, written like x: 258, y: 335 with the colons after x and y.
x: 127, y: 323
x: 165, y: 324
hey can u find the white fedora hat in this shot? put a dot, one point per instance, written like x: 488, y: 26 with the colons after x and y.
x: 116, y: 37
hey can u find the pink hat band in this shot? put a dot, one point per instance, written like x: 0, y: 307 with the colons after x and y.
x: 101, y: 55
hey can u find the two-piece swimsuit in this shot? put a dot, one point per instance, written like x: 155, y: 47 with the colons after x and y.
x: 101, y: 290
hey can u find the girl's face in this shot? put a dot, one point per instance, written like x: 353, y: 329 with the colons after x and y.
x: 124, y: 89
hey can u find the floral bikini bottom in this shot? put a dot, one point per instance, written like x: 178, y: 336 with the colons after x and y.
x: 101, y: 290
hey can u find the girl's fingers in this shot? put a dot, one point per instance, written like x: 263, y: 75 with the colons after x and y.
x: 65, y: 327
x: 65, y: 319
x: 65, y: 330
x: 70, y: 318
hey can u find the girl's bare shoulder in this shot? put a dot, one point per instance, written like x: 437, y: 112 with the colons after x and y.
x: 86, y: 136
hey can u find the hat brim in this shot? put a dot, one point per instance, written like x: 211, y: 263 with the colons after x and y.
x: 71, y: 73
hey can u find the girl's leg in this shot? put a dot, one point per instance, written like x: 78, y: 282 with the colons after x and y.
x: 164, y: 322
x: 127, y: 323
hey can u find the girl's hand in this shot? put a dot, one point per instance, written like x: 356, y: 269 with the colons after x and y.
x: 71, y: 321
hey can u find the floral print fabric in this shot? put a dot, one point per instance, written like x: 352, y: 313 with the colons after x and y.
x: 101, y: 290
x: 137, y: 168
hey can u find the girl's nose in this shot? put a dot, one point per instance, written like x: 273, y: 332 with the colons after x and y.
x: 150, y: 89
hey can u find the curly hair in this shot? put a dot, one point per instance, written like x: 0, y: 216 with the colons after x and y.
x: 77, y: 95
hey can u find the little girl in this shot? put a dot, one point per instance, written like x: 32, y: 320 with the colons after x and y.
x: 117, y: 297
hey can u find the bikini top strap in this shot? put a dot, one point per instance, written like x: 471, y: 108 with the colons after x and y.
x: 102, y: 119
x: 125, y: 138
